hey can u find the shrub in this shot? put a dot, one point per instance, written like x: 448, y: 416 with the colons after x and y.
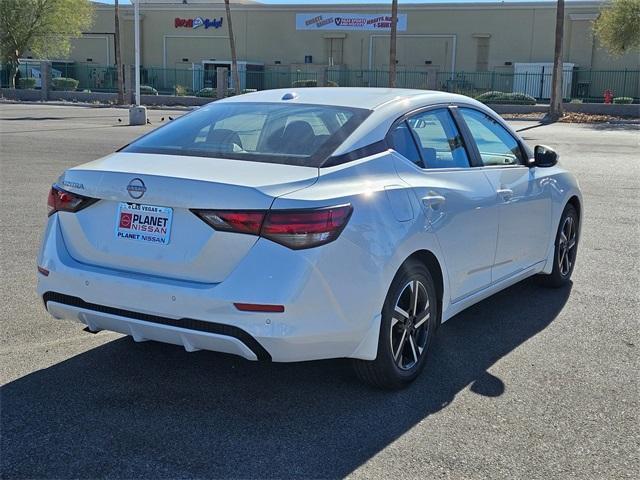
x: 312, y: 83
x: 232, y: 91
x: 212, y: 92
x: 65, y: 84
x: 576, y: 100
x: 148, y: 90
x: 506, y: 98
x: 26, y: 83
x: 206, y: 92
x: 623, y: 100
x: 182, y: 91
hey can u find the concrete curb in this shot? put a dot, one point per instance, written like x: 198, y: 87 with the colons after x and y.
x: 170, y: 101
x: 615, y: 110
x: 4, y: 101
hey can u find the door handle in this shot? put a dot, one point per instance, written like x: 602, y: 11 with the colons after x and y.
x: 433, y: 200
x: 505, y: 193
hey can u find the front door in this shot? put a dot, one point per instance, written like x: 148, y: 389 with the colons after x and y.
x: 457, y: 199
x: 523, y: 194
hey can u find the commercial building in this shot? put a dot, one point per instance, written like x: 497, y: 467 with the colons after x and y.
x: 434, y: 39
x: 443, y: 36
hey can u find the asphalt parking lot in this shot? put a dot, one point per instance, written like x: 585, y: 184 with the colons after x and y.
x: 530, y: 383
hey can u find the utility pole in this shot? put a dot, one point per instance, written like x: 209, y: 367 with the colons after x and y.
x: 137, y: 113
x: 136, y: 42
x: 119, y: 66
x: 232, y: 44
x: 392, y: 44
x: 555, y: 104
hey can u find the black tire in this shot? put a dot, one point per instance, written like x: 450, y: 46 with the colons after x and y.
x: 389, y: 371
x: 564, y: 258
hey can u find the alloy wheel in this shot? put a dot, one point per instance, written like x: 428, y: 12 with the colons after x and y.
x: 567, y: 245
x: 409, y: 325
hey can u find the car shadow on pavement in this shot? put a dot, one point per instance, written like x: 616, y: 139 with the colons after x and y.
x: 126, y: 410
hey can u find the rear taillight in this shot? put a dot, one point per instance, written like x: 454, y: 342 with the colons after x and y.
x: 295, y: 229
x: 231, y: 221
x: 62, y: 201
x: 305, y: 228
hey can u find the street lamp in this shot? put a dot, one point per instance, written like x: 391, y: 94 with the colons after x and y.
x: 137, y: 113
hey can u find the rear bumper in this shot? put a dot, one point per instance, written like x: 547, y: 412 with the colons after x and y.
x: 323, y: 317
x: 192, y: 334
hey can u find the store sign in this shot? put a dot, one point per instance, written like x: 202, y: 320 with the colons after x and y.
x: 348, y: 21
x: 197, y: 22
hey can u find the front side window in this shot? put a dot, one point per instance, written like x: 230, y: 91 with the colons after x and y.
x: 293, y: 134
x: 439, y: 140
x: 496, y: 145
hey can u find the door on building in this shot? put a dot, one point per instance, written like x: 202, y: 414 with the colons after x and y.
x: 210, y: 73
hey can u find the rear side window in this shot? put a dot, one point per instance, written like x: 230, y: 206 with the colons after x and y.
x: 439, y: 140
x: 496, y: 145
x: 402, y: 142
x: 293, y: 134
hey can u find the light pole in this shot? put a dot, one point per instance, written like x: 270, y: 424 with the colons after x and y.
x: 137, y: 113
x: 136, y: 35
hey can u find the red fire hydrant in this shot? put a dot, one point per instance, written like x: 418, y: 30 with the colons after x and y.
x: 608, y: 96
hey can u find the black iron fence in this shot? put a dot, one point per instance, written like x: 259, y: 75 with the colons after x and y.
x: 581, y: 85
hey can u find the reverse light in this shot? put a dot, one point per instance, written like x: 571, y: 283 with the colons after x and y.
x: 295, y: 229
x: 62, y: 201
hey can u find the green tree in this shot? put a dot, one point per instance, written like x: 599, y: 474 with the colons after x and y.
x: 618, y: 26
x: 42, y: 27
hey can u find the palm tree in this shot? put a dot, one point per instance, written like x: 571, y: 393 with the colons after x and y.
x: 555, y: 107
x: 392, y: 43
x: 232, y: 45
x: 119, y: 66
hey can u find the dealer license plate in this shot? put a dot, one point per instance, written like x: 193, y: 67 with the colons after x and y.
x: 144, y: 223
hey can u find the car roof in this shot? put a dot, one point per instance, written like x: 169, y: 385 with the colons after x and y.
x: 352, y: 97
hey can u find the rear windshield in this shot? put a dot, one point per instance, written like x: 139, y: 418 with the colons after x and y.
x: 292, y: 134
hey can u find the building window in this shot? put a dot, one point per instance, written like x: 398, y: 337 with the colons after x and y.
x: 482, y: 53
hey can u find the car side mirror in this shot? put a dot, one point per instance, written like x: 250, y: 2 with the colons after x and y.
x: 544, y: 156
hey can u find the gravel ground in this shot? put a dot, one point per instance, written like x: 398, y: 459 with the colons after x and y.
x: 531, y: 383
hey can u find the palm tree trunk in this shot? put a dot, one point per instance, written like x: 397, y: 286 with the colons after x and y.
x: 392, y: 43
x: 13, y: 69
x: 119, y: 69
x: 232, y: 45
x: 555, y: 107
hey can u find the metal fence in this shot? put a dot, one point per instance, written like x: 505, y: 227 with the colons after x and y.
x: 97, y: 78
x: 586, y: 85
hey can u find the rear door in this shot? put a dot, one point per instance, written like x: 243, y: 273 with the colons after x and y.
x: 522, y: 192
x: 457, y: 200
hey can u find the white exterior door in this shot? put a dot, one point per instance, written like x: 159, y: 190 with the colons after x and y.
x: 522, y: 193
x: 457, y: 200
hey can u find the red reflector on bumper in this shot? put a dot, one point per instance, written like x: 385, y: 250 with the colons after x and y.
x: 255, y: 307
x: 43, y: 271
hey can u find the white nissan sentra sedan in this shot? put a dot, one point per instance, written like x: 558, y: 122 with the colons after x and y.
x: 307, y: 224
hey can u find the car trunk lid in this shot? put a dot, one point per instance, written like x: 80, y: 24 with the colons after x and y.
x: 166, y: 239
